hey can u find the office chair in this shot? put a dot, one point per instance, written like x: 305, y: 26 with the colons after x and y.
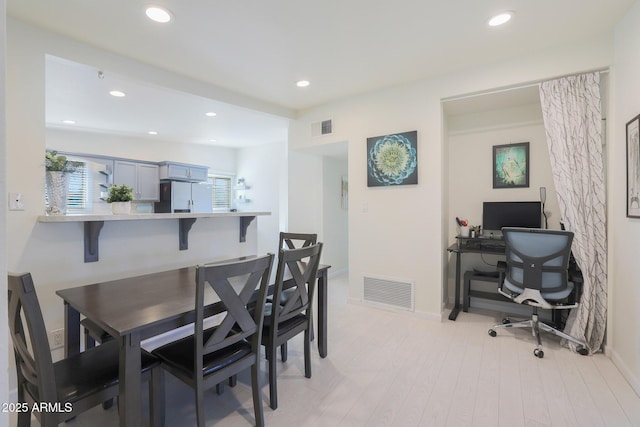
x: 536, y: 274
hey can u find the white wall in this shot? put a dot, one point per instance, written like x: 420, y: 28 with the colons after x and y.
x: 623, y: 338
x: 335, y: 218
x: 264, y: 169
x: 305, y: 193
x: 4, y: 333
x: 401, y: 232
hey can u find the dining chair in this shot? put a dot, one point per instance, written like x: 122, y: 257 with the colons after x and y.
x: 293, y: 315
x: 72, y: 385
x: 209, y: 357
x: 93, y: 333
x: 293, y: 241
x: 296, y: 240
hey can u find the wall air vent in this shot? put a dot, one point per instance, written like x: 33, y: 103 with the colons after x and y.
x: 393, y: 293
x: 322, y: 128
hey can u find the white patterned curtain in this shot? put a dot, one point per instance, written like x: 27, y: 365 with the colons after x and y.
x: 573, y: 124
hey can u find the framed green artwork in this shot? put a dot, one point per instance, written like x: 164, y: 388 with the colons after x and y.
x: 511, y: 165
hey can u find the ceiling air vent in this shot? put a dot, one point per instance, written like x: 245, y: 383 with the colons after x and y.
x: 322, y: 128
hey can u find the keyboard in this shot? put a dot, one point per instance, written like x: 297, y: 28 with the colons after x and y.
x: 492, y: 246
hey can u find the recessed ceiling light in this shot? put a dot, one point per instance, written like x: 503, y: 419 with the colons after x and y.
x: 501, y: 18
x: 212, y: 140
x: 69, y: 122
x: 117, y: 93
x: 303, y: 83
x: 211, y: 114
x: 152, y: 132
x: 158, y: 14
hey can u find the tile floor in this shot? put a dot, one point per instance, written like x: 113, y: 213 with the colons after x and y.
x: 393, y: 369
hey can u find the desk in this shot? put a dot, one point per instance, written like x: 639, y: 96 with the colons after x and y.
x: 478, y: 246
x: 140, y: 307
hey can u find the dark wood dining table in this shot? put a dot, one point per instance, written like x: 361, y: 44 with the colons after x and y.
x: 135, y: 308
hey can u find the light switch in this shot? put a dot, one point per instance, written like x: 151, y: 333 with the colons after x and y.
x: 15, y: 202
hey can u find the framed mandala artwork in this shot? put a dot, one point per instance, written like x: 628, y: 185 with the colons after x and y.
x: 511, y: 165
x: 392, y: 159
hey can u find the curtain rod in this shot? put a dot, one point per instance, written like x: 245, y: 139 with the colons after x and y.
x: 523, y: 86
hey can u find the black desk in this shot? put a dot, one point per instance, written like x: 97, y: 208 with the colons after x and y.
x: 477, y: 246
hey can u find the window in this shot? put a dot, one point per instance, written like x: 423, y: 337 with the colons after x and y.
x: 77, y: 198
x: 78, y: 190
x: 221, y: 191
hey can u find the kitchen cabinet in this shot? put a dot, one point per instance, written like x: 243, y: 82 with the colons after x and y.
x: 142, y: 177
x: 183, y: 172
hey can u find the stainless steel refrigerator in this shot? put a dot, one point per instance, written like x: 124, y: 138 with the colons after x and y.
x: 178, y: 196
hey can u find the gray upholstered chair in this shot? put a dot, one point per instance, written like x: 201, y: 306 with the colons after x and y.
x: 75, y: 384
x: 209, y: 357
x: 293, y: 315
x: 536, y: 273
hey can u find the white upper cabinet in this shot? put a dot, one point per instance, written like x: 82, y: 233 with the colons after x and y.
x: 183, y: 172
x: 142, y: 177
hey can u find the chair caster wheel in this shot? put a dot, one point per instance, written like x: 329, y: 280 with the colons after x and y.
x: 538, y: 353
x: 492, y: 332
x: 506, y: 321
x: 583, y: 351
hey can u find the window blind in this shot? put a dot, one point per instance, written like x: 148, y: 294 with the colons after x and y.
x: 221, y: 191
x: 78, y: 190
x: 77, y: 198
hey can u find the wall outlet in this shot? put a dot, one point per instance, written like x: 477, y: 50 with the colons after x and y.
x: 57, y: 338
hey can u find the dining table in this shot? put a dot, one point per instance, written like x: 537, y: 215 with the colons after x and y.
x: 135, y: 308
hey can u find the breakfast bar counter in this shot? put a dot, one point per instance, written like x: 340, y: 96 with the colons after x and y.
x: 93, y: 224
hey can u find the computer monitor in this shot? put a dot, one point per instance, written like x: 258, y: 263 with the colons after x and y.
x: 496, y: 215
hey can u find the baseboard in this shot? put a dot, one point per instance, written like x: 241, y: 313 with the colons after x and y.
x: 628, y: 375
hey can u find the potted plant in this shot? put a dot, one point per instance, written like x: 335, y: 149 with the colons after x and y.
x: 58, y: 168
x: 120, y: 197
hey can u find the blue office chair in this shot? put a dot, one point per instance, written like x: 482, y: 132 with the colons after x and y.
x: 536, y: 273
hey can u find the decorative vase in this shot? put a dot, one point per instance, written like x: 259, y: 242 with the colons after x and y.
x: 57, y: 191
x: 121, y: 208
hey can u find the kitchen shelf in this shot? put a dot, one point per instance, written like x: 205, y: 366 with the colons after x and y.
x: 93, y: 225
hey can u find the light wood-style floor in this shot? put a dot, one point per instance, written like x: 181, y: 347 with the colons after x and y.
x: 393, y: 369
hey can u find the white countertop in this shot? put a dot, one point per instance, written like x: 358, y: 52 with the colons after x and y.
x: 142, y: 216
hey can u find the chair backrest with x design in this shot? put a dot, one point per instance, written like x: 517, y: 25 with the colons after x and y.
x: 239, y: 322
x: 302, y: 264
x: 296, y: 240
